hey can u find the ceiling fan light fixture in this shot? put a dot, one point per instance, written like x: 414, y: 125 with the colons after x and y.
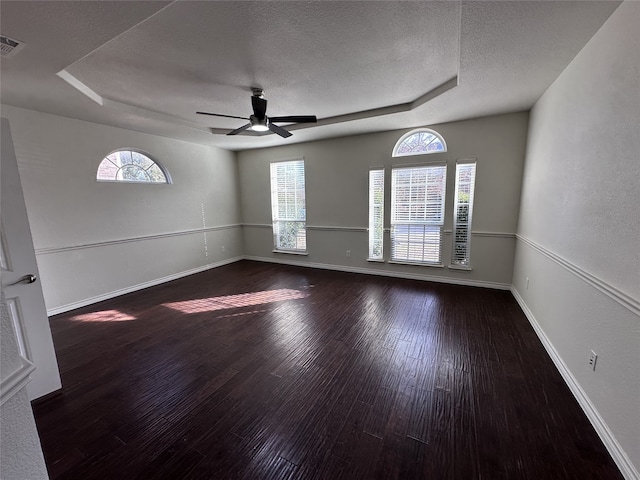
x: 259, y: 128
x: 259, y: 124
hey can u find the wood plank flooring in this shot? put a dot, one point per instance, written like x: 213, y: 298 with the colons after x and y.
x: 261, y: 371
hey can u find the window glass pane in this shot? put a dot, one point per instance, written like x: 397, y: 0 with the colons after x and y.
x: 416, y: 243
x: 132, y: 173
x: 418, y: 194
x: 417, y: 213
x: 107, y: 170
x: 290, y: 235
x: 419, y: 142
x: 462, y: 214
x: 155, y: 174
x: 130, y: 166
x: 115, y: 159
x: 125, y: 157
x: 288, y: 205
x: 141, y: 160
x: 376, y: 214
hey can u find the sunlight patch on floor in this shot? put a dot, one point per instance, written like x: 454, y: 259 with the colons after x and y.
x: 236, y: 301
x: 104, y: 316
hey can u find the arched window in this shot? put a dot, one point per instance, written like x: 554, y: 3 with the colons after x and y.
x: 419, y: 142
x: 131, y: 166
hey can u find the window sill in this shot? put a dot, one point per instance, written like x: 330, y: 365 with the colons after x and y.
x: 417, y: 264
x: 290, y: 252
x: 460, y: 267
x: 135, y: 182
x: 375, y: 260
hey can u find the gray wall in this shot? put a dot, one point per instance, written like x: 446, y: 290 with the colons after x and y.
x: 134, y: 235
x: 579, y: 230
x: 337, y: 198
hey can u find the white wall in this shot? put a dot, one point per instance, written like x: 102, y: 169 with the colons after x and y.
x: 337, y: 198
x: 134, y: 235
x: 579, y: 230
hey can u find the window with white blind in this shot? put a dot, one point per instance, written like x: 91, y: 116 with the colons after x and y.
x: 462, y: 214
x: 376, y: 214
x: 288, y: 206
x: 417, y: 213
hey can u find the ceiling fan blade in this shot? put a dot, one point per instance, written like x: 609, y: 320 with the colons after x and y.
x: 238, y: 130
x: 220, y: 115
x: 279, y: 130
x: 259, y: 105
x: 295, y: 119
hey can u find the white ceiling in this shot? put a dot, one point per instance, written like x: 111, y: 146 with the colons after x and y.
x: 152, y: 65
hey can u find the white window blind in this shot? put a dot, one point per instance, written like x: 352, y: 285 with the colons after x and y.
x: 376, y: 214
x: 462, y: 213
x: 288, y: 206
x: 417, y: 213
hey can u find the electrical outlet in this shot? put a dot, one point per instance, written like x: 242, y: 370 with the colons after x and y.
x: 593, y: 358
x: 222, y: 248
x: 348, y: 253
x: 527, y: 287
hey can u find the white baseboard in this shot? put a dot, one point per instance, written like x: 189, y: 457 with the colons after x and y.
x: 625, y: 465
x: 140, y: 286
x: 324, y: 266
x: 383, y: 273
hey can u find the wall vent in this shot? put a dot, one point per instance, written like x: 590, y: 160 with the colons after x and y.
x: 9, y: 47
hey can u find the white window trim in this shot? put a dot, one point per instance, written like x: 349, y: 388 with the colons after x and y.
x: 291, y: 252
x: 416, y: 264
x: 460, y: 267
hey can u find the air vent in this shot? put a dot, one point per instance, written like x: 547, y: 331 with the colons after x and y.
x: 9, y: 47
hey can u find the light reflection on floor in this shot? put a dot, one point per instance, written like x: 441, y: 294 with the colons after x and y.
x: 104, y: 316
x: 241, y: 314
x: 288, y: 321
x: 236, y: 301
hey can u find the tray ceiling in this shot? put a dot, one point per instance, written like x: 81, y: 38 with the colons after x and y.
x: 149, y: 66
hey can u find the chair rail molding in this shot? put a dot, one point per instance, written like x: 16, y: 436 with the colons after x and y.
x: 143, y: 238
x: 612, y: 292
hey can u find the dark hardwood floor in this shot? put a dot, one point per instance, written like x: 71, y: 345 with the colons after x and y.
x: 261, y: 371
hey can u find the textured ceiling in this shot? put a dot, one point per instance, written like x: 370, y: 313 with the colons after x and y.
x: 151, y: 65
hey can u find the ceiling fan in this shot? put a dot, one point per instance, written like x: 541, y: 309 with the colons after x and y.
x: 259, y: 122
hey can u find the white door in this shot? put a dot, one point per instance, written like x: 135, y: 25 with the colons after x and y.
x: 20, y: 278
